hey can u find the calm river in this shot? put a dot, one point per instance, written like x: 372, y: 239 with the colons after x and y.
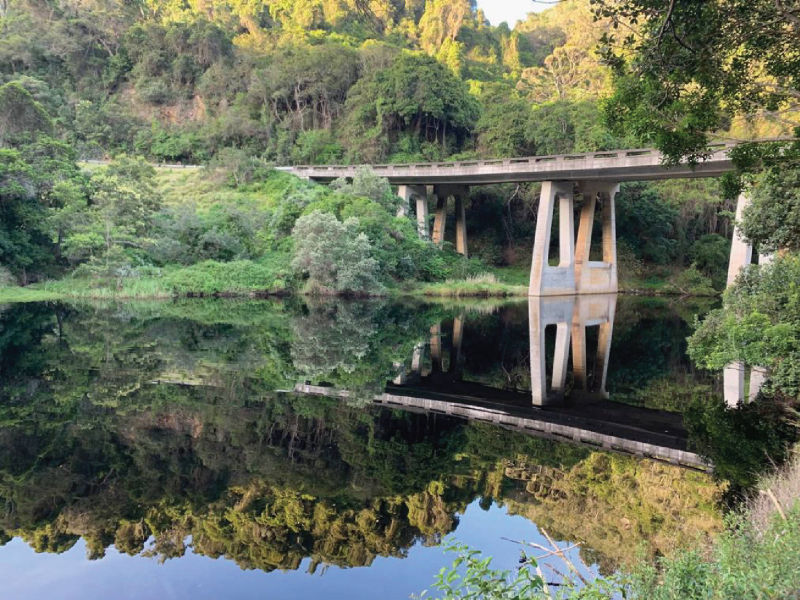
x: 257, y: 449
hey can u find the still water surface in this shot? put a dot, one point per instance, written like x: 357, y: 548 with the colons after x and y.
x: 245, y: 449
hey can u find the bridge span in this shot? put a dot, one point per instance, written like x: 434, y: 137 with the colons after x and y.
x: 593, y: 177
x: 613, y: 165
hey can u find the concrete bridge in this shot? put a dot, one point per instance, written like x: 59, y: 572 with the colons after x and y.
x: 594, y: 176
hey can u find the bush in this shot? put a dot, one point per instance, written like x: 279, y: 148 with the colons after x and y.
x: 239, y: 166
x: 154, y: 91
x: 366, y: 184
x: 646, y: 222
x: 334, y: 255
x: 710, y: 254
x: 212, y: 277
x: 773, y: 219
x: 692, y: 282
x: 6, y: 278
x: 316, y: 147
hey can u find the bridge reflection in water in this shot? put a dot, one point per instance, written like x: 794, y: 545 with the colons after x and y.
x: 576, y: 408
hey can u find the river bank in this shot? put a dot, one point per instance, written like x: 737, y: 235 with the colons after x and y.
x: 270, y: 277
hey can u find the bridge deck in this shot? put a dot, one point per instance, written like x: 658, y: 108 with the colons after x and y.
x: 612, y: 165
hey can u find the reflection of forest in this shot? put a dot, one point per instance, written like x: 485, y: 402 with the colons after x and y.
x: 126, y: 424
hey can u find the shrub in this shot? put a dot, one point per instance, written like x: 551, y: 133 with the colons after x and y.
x: 366, y: 184
x: 155, y: 91
x: 692, y: 282
x: 212, y: 277
x: 316, y: 147
x: 6, y: 278
x: 710, y: 255
x: 334, y: 255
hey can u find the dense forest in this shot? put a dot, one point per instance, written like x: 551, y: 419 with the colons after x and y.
x: 242, y: 86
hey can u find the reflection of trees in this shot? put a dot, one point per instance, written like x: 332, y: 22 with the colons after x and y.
x: 90, y: 447
x: 355, y: 345
x: 332, y: 337
x: 617, y: 506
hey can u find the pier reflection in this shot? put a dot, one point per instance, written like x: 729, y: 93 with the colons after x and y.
x: 734, y: 376
x: 571, y: 316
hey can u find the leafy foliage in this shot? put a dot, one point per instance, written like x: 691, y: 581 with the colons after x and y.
x: 683, y: 70
x: 772, y: 221
x: 758, y: 325
x: 333, y: 254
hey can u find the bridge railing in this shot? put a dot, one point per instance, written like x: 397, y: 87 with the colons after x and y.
x: 507, y: 162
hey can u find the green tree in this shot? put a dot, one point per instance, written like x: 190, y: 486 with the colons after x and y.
x: 334, y: 255
x: 114, y: 230
x: 758, y: 325
x: 645, y: 222
x: 416, y: 94
x: 24, y: 238
x: 685, y: 69
x: 20, y: 115
x: 502, y: 127
x: 772, y: 221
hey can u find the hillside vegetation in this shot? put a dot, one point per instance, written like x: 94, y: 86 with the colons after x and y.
x: 242, y: 86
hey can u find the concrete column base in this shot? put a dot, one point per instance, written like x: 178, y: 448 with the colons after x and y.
x: 546, y: 280
x: 597, y: 277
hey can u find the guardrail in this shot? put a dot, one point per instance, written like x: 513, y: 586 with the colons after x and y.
x: 606, y: 155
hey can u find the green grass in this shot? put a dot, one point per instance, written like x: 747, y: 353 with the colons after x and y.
x: 26, y: 294
x: 517, y: 275
x: 743, y: 563
x: 479, y: 286
x: 268, y: 276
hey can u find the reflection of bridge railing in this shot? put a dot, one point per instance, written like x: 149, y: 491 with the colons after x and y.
x: 604, y: 424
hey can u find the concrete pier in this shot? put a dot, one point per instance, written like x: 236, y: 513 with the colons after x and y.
x: 741, y: 249
x: 418, y: 194
x: 558, y: 280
